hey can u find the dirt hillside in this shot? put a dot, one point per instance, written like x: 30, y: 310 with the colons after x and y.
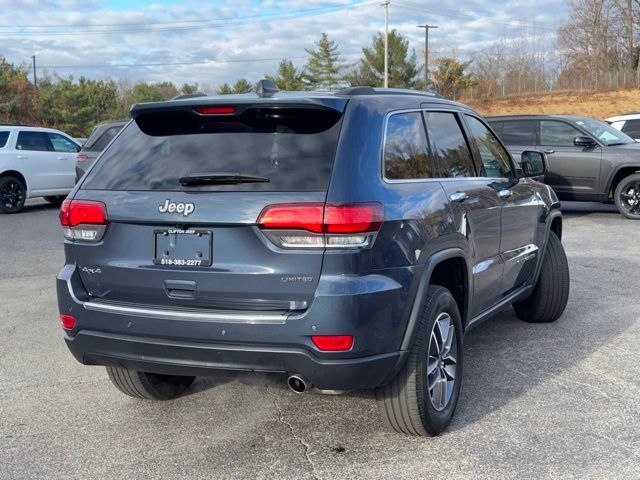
x: 600, y: 105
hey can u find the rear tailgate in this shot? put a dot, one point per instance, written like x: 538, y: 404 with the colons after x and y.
x: 168, y: 244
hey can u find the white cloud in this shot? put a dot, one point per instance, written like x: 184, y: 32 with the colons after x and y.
x: 223, y: 48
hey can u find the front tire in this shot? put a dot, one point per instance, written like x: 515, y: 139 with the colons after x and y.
x: 422, y: 398
x: 148, y: 386
x: 13, y: 194
x: 627, y: 196
x: 551, y: 293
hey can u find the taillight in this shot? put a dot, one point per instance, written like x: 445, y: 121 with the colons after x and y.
x: 83, y: 219
x: 82, y: 158
x: 318, y: 225
x: 333, y: 343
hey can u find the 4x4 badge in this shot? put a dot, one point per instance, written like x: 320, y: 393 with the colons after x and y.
x: 173, y: 207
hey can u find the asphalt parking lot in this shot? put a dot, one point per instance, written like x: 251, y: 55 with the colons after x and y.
x: 538, y: 401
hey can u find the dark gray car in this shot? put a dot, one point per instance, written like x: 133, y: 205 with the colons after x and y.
x: 95, y: 144
x: 588, y: 160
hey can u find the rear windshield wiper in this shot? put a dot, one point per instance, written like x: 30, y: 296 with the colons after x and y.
x: 219, y: 179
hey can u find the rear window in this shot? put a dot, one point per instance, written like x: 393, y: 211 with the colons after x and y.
x: 631, y: 128
x: 99, y: 142
x: 293, y: 147
x: 4, y: 136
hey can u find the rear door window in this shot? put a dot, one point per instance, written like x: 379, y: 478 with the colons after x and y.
x: 406, y: 151
x: 557, y: 134
x: 451, y: 145
x: 293, y: 147
x: 4, y: 136
x: 33, y: 141
x: 62, y: 144
x: 631, y: 128
x: 521, y: 132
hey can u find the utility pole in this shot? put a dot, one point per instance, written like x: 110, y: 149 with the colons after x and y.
x: 386, y: 43
x: 426, y: 27
x: 35, y: 78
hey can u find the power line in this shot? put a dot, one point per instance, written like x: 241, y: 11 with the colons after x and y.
x: 208, y: 24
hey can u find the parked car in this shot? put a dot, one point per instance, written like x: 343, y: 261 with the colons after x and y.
x: 34, y: 162
x: 628, y: 123
x: 95, y: 144
x: 588, y: 160
x: 325, y: 236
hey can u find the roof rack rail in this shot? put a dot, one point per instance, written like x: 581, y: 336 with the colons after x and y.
x: 17, y: 125
x: 189, y: 95
x: 366, y: 90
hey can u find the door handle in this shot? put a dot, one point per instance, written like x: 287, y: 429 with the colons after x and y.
x: 550, y: 151
x: 61, y: 158
x: 505, y: 193
x: 22, y: 157
x: 458, y: 197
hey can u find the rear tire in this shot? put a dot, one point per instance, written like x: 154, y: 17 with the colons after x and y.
x: 148, y: 386
x: 627, y: 196
x: 57, y: 200
x: 13, y: 194
x: 551, y: 293
x: 408, y: 404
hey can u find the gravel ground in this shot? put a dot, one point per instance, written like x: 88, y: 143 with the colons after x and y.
x: 538, y: 401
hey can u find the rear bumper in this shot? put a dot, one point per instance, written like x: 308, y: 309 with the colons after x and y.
x: 179, y: 342
x: 190, y: 358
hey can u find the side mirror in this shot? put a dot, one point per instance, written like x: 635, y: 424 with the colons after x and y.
x: 586, y: 142
x: 534, y: 163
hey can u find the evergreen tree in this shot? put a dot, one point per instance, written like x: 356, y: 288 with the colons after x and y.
x: 403, y: 68
x: 242, y: 85
x: 325, y: 67
x: 288, y: 77
x: 450, y: 78
x: 224, y: 89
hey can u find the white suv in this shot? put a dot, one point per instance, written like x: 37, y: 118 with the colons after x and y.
x: 35, y: 162
x: 629, y: 124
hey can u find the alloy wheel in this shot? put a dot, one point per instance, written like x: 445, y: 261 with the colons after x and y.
x: 12, y: 195
x: 630, y: 198
x: 441, y: 363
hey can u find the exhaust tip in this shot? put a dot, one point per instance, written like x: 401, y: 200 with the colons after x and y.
x: 298, y: 383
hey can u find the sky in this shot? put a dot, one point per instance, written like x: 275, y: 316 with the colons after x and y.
x: 212, y: 42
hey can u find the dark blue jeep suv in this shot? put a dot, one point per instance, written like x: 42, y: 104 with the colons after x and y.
x: 347, y: 240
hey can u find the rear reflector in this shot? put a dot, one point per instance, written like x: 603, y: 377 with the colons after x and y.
x: 83, y: 219
x: 333, y: 343
x: 318, y: 225
x: 67, y: 321
x: 216, y: 110
x: 82, y: 158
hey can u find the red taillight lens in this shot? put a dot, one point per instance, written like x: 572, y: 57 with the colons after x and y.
x: 318, y: 225
x: 333, y: 343
x: 216, y: 110
x: 82, y: 158
x: 353, y: 218
x: 78, y: 212
x: 294, y: 216
x: 83, y: 219
x: 67, y: 321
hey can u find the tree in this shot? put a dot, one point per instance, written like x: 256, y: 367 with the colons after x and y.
x: 16, y: 94
x: 187, y: 89
x: 325, y: 67
x: 288, y: 77
x: 403, y: 68
x: 242, y: 85
x: 450, y: 78
x: 153, y: 92
x: 224, y: 89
